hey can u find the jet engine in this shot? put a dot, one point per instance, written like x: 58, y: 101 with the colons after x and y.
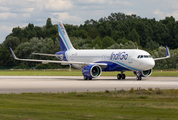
x: 91, y: 71
x: 145, y: 73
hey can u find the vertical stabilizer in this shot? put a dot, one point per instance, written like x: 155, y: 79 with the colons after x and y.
x: 65, y: 42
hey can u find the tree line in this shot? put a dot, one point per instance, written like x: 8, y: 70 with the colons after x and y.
x: 117, y: 31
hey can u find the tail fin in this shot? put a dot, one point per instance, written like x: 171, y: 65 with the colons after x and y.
x: 65, y: 42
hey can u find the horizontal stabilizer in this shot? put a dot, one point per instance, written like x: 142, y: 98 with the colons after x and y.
x: 47, y: 54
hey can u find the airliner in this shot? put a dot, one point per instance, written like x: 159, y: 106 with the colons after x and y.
x: 93, y: 62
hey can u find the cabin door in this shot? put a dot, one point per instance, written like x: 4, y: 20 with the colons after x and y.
x: 130, y: 57
x: 103, y: 57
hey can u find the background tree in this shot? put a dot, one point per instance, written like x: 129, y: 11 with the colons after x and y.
x: 107, y: 42
x: 4, y: 57
x: 97, y: 41
x: 12, y: 42
x: 94, y: 33
x: 48, y: 23
x: 134, y: 36
x: 24, y: 40
x: 152, y: 44
x: 117, y: 31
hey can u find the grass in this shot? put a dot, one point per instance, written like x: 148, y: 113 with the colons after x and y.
x: 109, y: 105
x: 41, y: 73
x: 76, y: 73
x: 165, y: 73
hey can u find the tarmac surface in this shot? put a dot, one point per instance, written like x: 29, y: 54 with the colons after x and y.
x: 35, y: 84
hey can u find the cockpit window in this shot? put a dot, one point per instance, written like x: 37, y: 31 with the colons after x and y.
x: 144, y: 56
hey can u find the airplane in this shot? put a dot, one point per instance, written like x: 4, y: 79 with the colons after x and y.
x: 93, y: 62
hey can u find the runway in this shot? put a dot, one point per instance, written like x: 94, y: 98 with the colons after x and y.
x: 35, y: 84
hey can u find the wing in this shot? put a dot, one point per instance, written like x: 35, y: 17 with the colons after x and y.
x: 168, y: 55
x: 82, y: 64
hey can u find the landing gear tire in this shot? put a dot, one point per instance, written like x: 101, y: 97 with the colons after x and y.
x: 119, y: 76
x: 139, y: 78
x: 86, y: 78
x: 123, y: 76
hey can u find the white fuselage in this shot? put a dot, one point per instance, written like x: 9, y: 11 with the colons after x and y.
x: 127, y: 58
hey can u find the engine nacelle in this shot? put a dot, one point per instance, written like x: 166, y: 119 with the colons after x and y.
x: 145, y: 73
x: 91, y: 71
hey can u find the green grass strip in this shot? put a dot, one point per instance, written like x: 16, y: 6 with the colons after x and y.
x: 109, y: 105
x: 76, y: 73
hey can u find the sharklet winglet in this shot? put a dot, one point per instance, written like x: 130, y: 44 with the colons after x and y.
x: 13, y: 53
x: 167, y: 51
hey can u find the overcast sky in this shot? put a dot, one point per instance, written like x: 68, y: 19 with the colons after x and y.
x: 15, y: 13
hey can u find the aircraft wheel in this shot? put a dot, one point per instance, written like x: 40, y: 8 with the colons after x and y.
x: 119, y: 76
x: 90, y: 78
x: 85, y: 78
x: 123, y: 76
x: 139, y: 78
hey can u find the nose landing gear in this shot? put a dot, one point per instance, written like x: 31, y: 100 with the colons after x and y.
x: 139, y: 77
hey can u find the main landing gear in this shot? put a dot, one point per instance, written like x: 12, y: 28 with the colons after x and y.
x: 86, y: 78
x: 121, y: 76
x: 139, y: 77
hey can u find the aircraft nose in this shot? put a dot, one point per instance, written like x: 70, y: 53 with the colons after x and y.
x: 150, y: 63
